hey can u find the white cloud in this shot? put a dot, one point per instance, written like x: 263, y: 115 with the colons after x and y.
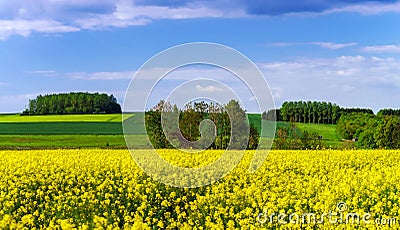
x: 334, y: 46
x: 128, y: 14
x: 209, y: 88
x: 277, y: 92
x: 60, y: 16
x: 21, y: 17
x: 183, y: 73
x: 117, y: 75
x: 42, y: 72
x: 327, y: 45
x: 100, y: 75
x: 382, y: 49
x: 15, y: 103
x: 26, y: 27
x: 365, y: 8
x: 368, y: 8
x: 355, y: 66
x: 347, y: 80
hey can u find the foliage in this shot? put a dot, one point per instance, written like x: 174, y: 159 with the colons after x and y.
x: 351, y: 126
x: 310, y: 112
x: 315, y: 112
x: 154, y: 130
x: 346, y: 111
x: 371, y: 131
x: 272, y: 115
x: 387, y: 132
x: 105, y: 189
x: 390, y: 112
x: 227, y: 118
x: 239, y: 134
x: 290, y: 137
x: 254, y: 137
x: 73, y: 103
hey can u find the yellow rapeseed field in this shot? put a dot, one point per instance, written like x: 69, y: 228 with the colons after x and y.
x: 85, y: 189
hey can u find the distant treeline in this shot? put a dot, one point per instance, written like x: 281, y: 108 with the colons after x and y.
x: 385, y: 112
x: 371, y: 131
x: 311, y: 112
x: 188, y: 135
x: 358, y: 125
x: 73, y: 103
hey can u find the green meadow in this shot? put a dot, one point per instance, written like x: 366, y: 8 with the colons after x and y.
x: 66, y: 131
x: 16, y: 118
x: 104, y: 131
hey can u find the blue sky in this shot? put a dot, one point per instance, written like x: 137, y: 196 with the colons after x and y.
x: 347, y: 52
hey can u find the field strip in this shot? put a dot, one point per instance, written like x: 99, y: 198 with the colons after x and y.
x: 16, y: 118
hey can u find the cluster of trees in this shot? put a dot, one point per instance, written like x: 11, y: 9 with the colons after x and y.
x: 73, y: 103
x: 272, y: 115
x: 290, y: 137
x: 311, y: 112
x: 230, y: 126
x: 371, y: 131
x: 385, y: 112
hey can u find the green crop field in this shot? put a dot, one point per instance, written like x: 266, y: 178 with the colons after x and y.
x: 67, y: 131
x: 65, y: 124
x: 13, y: 118
x: 67, y: 141
x: 105, y: 130
x: 61, y: 128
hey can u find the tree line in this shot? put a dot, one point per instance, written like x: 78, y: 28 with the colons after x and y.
x: 232, y: 131
x: 311, y: 112
x: 392, y: 112
x: 371, y: 131
x: 73, y: 103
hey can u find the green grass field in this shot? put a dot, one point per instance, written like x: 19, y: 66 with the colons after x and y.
x: 105, y: 130
x: 327, y: 131
x: 59, y: 128
x: 67, y: 141
x: 16, y: 118
x: 67, y: 131
x: 66, y: 124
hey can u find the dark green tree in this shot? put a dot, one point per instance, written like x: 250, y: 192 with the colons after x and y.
x: 73, y: 103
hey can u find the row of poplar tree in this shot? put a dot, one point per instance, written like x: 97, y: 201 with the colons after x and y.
x: 311, y: 112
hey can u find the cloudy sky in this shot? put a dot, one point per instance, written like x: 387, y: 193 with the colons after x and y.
x: 347, y: 52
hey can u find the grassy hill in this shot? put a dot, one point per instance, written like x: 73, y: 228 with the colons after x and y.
x: 327, y: 131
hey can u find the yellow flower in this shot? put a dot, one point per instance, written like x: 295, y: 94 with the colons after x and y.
x: 105, y: 189
x: 160, y: 224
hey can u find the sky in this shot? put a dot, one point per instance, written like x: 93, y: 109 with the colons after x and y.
x: 345, y: 52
